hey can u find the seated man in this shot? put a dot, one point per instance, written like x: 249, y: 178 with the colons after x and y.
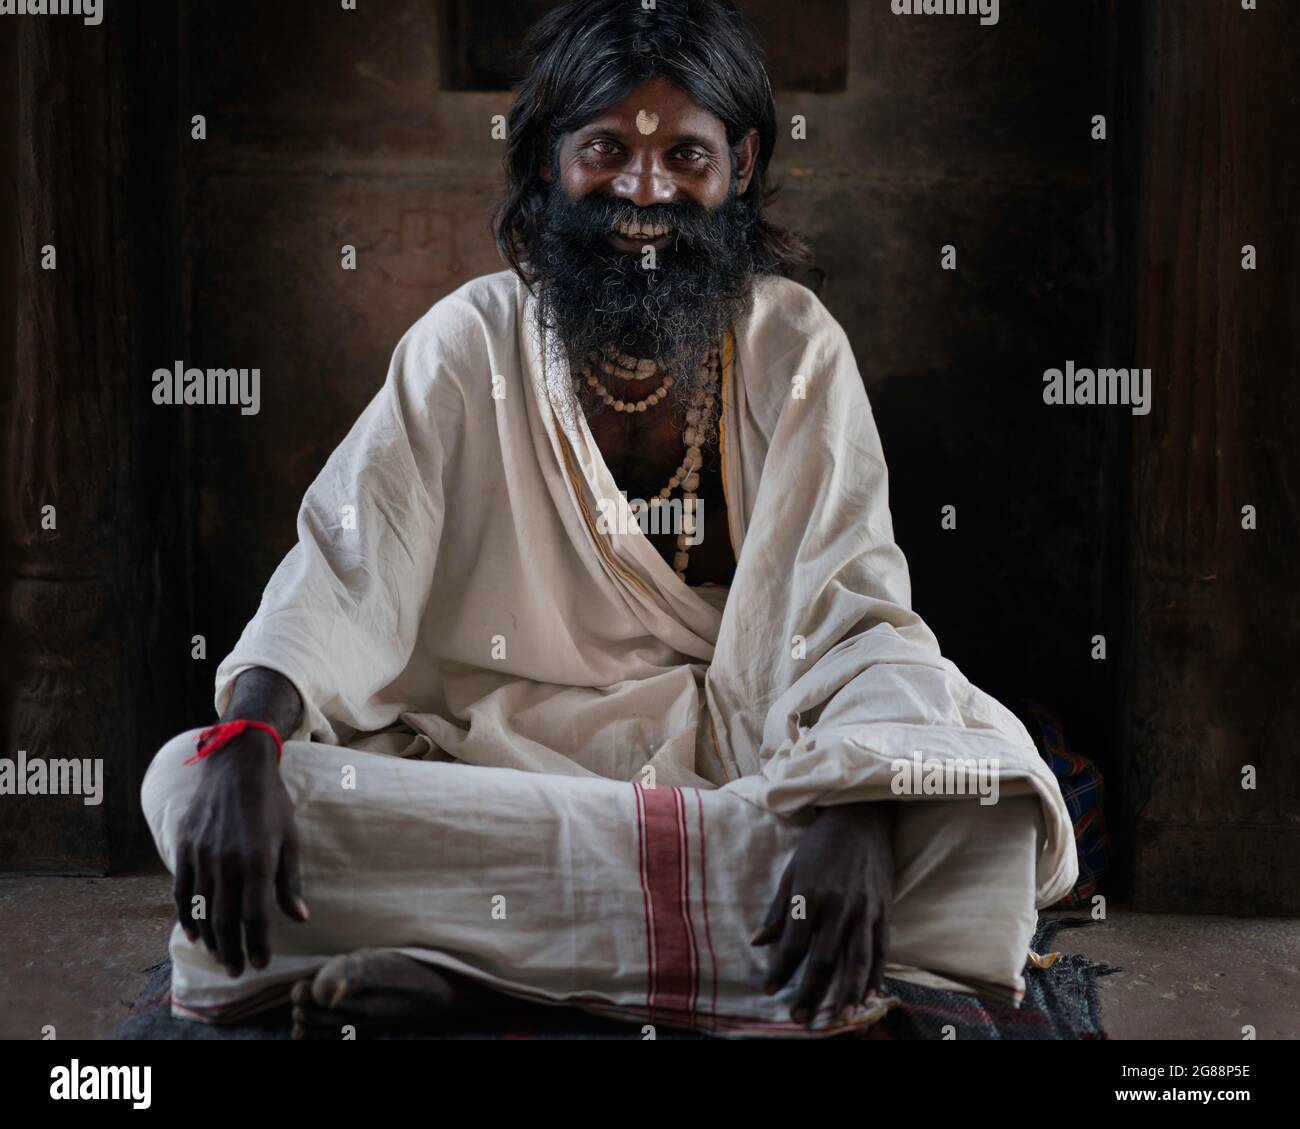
x: 593, y: 667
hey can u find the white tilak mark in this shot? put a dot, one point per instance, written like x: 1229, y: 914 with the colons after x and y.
x: 647, y: 122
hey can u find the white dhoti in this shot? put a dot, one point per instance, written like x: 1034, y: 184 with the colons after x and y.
x: 452, y: 579
x: 625, y: 901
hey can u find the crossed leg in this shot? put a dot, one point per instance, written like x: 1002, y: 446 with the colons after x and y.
x: 437, y: 887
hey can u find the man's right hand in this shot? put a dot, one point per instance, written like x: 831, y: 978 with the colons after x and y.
x: 238, y: 849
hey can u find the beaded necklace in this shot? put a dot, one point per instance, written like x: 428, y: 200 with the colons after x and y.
x: 700, y: 414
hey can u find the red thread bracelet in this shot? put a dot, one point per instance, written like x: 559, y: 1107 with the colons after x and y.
x: 222, y: 734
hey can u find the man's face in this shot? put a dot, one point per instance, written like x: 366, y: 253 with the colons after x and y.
x: 656, y: 147
x: 655, y: 171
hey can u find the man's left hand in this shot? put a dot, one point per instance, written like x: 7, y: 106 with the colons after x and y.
x: 843, y: 869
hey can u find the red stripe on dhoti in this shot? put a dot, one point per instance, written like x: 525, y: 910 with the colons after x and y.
x: 704, y: 903
x: 665, y: 865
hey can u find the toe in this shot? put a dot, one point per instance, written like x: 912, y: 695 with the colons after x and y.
x: 330, y: 986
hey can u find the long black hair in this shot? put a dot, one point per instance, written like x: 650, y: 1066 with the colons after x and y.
x: 587, y: 55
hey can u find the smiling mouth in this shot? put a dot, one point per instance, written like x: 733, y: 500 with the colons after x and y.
x: 634, y: 236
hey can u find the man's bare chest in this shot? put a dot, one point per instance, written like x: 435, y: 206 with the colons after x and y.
x: 643, y: 452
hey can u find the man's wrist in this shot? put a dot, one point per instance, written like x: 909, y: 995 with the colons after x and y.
x: 252, y: 750
x: 267, y: 697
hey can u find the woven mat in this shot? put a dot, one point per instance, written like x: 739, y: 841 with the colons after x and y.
x: 1060, y: 1003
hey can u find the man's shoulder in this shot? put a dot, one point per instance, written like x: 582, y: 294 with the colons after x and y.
x: 780, y: 307
x: 788, y: 332
x: 459, y: 341
x: 482, y: 308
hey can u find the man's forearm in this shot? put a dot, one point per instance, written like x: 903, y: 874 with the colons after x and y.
x: 264, y: 695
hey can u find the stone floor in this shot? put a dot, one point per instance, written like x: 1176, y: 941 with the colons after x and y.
x: 73, y: 954
x: 73, y: 951
x: 1189, y: 977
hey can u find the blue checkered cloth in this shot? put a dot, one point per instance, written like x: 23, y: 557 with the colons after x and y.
x: 1083, y: 788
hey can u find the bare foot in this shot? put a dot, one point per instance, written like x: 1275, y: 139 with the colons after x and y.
x: 381, y: 990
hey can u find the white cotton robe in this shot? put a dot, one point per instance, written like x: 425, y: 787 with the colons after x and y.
x: 452, y: 598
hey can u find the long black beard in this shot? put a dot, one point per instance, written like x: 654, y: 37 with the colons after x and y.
x: 593, y: 297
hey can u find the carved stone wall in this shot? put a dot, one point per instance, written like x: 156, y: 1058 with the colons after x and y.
x: 327, y: 127
x: 347, y: 128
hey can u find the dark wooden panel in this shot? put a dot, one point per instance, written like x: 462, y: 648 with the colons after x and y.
x: 91, y: 595
x: 1217, y: 605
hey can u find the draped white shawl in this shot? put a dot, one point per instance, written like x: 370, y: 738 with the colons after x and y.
x: 450, y: 580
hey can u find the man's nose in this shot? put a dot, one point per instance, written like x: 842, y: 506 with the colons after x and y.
x: 645, y: 180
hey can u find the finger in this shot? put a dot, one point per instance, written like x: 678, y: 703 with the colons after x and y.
x: 183, y: 891
x: 257, y: 911
x: 203, y: 887
x: 777, y: 914
x: 226, y: 921
x: 823, y: 959
x: 879, y: 951
x: 856, y: 968
x: 795, y: 940
x: 288, y: 882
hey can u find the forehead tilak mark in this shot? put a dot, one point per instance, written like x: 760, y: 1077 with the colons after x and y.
x: 647, y: 121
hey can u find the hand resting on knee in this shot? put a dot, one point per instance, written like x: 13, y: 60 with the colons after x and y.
x: 238, y: 848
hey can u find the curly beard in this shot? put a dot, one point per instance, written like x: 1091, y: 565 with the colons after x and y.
x: 594, y: 297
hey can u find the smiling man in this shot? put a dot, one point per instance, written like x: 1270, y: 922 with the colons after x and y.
x: 478, y: 743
